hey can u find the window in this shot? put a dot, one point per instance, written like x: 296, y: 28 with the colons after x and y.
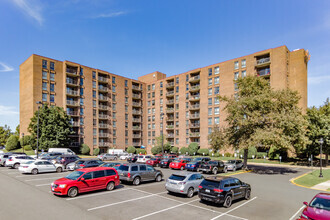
x: 114, y: 107
x: 110, y: 172
x: 52, y: 66
x: 153, y: 94
x: 210, y: 91
x: 126, y: 100
x: 149, y: 133
x: 161, y: 84
x: 177, y: 141
x: 187, y: 140
x: 52, y: 76
x: 209, y: 130
x: 187, y: 87
x: 114, y: 140
x: 149, y: 95
x: 153, y: 133
x: 149, y: 87
x: 236, y: 65
x: 177, y: 80
x: 149, y: 110
x: 177, y: 98
x: 243, y: 73
x: 94, y: 141
x: 126, y: 124
x: 153, y: 111
x: 52, y: 98
x: 81, y: 71
x: 149, y: 141
x: 81, y: 121
x: 94, y: 94
x: 81, y: 81
x: 44, y: 86
x: 187, y: 96
x: 187, y: 105
x: 149, y: 126
x: 209, y: 120
x: 153, y: 126
x: 243, y: 64
x: 161, y: 109
x: 236, y: 76
x: 216, y: 80
x: 216, y: 120
x: 94, y: 103
x: 187, y: 114
x: 210, y: 101
x: 236, y: 87
x: 126, y: 91
x: 126, y: 116
x: 44, y: 64
x: 177, y: 89
x: 126, y: 108
x: 52, y: 87
x: 126, y: 141
x: 44, y: 75
x: 114, y: 115
x: 94, y: 85
x: 143, y: 167
x: 88, y: 176
x: 81, y: 91
x: 216, y: 110
x: 94, y: 131
x: 153, y: 118
x: 126, y: 82
x: 210, y: 111
x: 216, y: 70
x: 216, y: 101
x: 81, y: 101
x: 94, y: 74
x: 177, y: 124
x: 216, y: 90
x: 113, y: 88
x: 187, y: 78
x: 149, y: 103
x: 210, y: 82
x: 210, y: 71
x: 113, y: 98
x: 153, y: 86
x: 161, y: 101
x: 161, y: 92
x: 114, y: 80
x: 114, y: 125
x: 98, y: 174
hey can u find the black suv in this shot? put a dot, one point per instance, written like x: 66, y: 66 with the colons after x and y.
x: 165, y: 163
x: 86, y: 163
x: 132, y: 159
x: 213, y: 166
x: 66, y: 159
x: 223, y: 190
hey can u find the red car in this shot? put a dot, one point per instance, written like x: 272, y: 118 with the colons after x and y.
x: 179, y: 164
x: 153, y: 162
x: 84, y: 180
x: 159, y: 156
x: 318, y: 208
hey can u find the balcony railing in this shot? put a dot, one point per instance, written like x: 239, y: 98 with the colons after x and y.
x: 169, y: 110
x: 72, y: 71
x: 74, y: 123
x: 72, y: 92
x: 196, y: 134
x: 75, y: 144
x: 103, y: 88
x: 194, y: 88
x: 170, y: 135
x: 263, y: 72
x: 104, y: 135
x: 102, y: 79
x: 104, y: 107
x: 136, y: 143
x: 136, y: 104
x: 170, y: 102
x: 104, y: 144
x: 194, y: 107
x: 136, y: 88
x: 72, y: 82
x: 194, y: 125
x: 136, y: 135
x: 103, y: 116
x: 171, y: 143
x: 136, y: 119
x: 136, y: 128
x: 136, y: 112
x: 103, y: 98
x: 170, y: 127
x: 70, y: 102
x: 193, y: 116
x: 194, y: 98
x: 136, y: 96
x: 194, y: 79
x: 170, y: 85
x: 72, y: 113
x: 170, y: 119
x: 262, y: 61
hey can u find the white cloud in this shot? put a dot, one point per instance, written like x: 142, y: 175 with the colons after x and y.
x: 31, y: 8
x: 8, y: 110
x: 318, y: 79
x: 111, y: 14
x: 5, y: 67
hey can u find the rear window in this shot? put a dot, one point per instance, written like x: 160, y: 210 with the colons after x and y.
x: 98, y: 174
x: 123, y: 168
x: 177, y: 177
x: 134, y: 168
x: 212, y: 162
x: 210, y: 183
x: 140, y: 156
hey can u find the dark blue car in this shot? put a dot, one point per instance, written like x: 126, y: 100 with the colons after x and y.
x: 195, y: 164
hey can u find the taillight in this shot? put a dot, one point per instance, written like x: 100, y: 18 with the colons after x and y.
x: 81, y: 165
x: 200, y: 187
x: 128, y: 175
x: 10, y: 160
x: 25, y: 166
x: 218, y: 190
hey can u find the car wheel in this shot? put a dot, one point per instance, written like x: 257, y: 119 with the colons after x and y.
x: 136, y: 181
x: 225, y: 170
x: 247, y: 194
x: 59, y: 169
x: 115, y: 158
x: 34, y: 171
x: 228, y: 201
x: 190, y: 192
x: 16, y: 165
x: 234, y: 169
x: 110, y: 186
x: 182, y: 168
x: 215, y: 171
x: 159, y: 178
x: 73, y: 192
x: 204, y: 172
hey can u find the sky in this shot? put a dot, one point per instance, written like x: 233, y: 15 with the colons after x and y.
x: 136, y: 37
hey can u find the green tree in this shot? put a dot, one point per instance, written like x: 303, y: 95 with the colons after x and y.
x: 28, y: 140
x: 183, y: 150
x: 5, y: 133
x: 217, y: 138
x: 12, y: 143
x: 203, y: 151
x: 192, y: 148
x: 156, y: 150
x: 17, y: 130
x: 85, y: 150
x: 319, y: 127
x: 261, y: 116
x: 54, y: 127
x: 167, y: 146
x: 96, y: 151
x: 175, y: 150
x: 131, y: 150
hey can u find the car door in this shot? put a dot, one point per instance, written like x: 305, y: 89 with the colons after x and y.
x: 235, y: 188
x: 199, y: 179
x: 240, y: 188
x: 87, y: 184
x: 192, y: 182
x: 40, y: 166
x: 49, y: 166
x: 151, y: 173
x: 143, y: 172
x: 99, y: 179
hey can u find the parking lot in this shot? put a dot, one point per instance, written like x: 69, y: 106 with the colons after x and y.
x: 29, y: 196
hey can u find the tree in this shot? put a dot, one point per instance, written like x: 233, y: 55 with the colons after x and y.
x: 28, y: 140
x: 319, y: 127
x: 4, y: 134
x: 131, y: 150
x: 217, y: 138
x: 174, y: 150
x: 156, y: 150
x: 96, y: 151
x: 12, y: 143
x: 85, y: 150
x: 262, y: 117
x: 183, y: 150
x: 166, y: 147
x: 54, y: 127
x: 192, y: 148
x: 17, y: 130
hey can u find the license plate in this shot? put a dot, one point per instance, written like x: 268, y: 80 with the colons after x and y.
x: 207, y: 190
x: 207, y: 199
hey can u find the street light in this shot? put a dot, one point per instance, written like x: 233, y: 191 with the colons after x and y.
x: 162, y: 116
x: 38, y: 129
x: 23, y: 141
x: 321, y: 142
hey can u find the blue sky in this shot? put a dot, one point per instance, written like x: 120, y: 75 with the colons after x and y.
x: 133, y: 38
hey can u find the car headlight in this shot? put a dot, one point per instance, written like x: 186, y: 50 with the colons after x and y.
x: 304, y: 216
x: 62, y: 185
x: 52, y: 184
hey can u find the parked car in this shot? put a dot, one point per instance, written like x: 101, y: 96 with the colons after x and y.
x: 49, y: 156
x: 178, y: 164
x: 223, y: 190
x: 40, y: 166
x: 84, y: 180
x: 137, y: 173
x: 132, y: 159
x: 184, y: 183
x: 153, y: 162
x: 14, y: 161
x: 86, y: 163
x: 143, y: 158
x: 4, y: 157
x: 318, y: 208
x: 165, y: 163
x: 107, y: 157
x: 65, y: 159
x: 124, y: 156
x: 234, y: 165
x: 159, y: 156
x: 213, y: 166
x: 196, y: 162
x: 170, y: 156
x: 112, y: 164
x: 61, y: 150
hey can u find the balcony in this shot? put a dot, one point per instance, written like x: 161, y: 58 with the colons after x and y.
x: 136, y: 120
x: 71, y: 82
x: 103, y: 98
x: 103, y: 89
x: 194, y: 98
x: 170, y: 119
x: 171, y: 143
x: 103, y: 79
x: 135, y: 112
x: 74, y: 123
x: 136, y: 143
x: 194, y: 88
x: 263, y: 72
x: 194, y: 116
x: 136, y: 96
x: 195, y: 134
x: 104, y: 135
x: 72, y: 72
x: 136, y: 135
x: 72, y: 103
x: 169, y: 127
x: 75, y: 144
x: 103, y: 116
x: 136, y: 88
x: 72, y: 113
x: 72, y: 93
x: 136, y: 104
x: 194, y: 79
x: 194, y: 107
x: 170, y: 102
x: 170, y: 85
x: 104, y: 144
x: 263, y: 62
x: 170, y: 135
x: 103, y: 107
x: 170, y: 94
x: 169, y: 110
x: 103, y: 126
x: 194, y: 125
x: 136, y: 128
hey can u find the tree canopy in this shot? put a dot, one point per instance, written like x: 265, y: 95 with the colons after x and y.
x: 217, y: 139
x: 5, y: 133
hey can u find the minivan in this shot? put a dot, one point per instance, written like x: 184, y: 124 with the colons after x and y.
x: 61, y: 150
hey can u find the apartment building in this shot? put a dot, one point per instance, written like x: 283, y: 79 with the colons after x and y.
x: 111, y: 111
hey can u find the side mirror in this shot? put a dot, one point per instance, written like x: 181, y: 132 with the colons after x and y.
x: 82, y: 179
x: 305, y: 203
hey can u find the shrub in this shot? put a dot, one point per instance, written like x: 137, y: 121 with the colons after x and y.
x: 205, y: 151
x: 12, y: 143
x: 131, y: 150
x: 156, y: 150
x: 84, y: 149
x: 183, y: 150
x: 175, y: 150
x: 215, y: 154
x: 260, y: 155
x: 192, y: 148
x: 27, y: 148
x: 167, y: 147
x: 227, y: 154
x: 274, y: 153
x: 252, y: 151
x: 141, y: 151
x: 96, y: 151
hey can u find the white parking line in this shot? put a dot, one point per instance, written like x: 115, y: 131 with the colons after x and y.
x: 293, y: 217
x: 98, y: 194
x: 41, y: 179
x: 130, y: 200
x: 24, y: 175
x: 234, y: 208
x: 47, y: 184
x: 163, y: 210
x: 12, y: 172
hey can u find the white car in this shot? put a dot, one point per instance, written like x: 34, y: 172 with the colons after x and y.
x: 15, y: 161
x: 71, y: 166
x: 40, y: 166
x: 124, y: 156
x: 143, y: 158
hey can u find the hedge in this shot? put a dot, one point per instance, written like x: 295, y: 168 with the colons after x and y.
x: 96, y: 151
x: 12, y: 143
x: 131, y: 150
x: 141, y: 151
x: 192, y: 148
x: 205, y: 151
x: 84, y: 149
x: 175, y: 150
x: 183, y: 150
x: 27, y: 148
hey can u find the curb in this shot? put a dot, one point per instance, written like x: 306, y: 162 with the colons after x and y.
x: 307, y: 187
x: 248, y: 171
x: 285, y: 165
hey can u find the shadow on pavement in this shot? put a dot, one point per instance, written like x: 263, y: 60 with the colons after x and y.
x: 259, y: 169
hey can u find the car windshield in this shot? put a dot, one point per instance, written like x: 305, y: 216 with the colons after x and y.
x: 80, y: 162
x: 212, y: 162
x: 231, y: 161
x: 28, y: 162
x: 177, y: 161
x: 197, y: 159
x: 123, y: 168
x: 210, y: 183
x: 177, y: 177
x: 74, y: 175
x: 140, y: 156
x: 320, y: 203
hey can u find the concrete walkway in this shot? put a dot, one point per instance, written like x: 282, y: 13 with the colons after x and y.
x: 322, y: 186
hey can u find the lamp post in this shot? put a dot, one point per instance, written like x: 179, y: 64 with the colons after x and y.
x: 321, y: 142
x: 38, y: 129
x: 23, y: 141
x: 162, y: 116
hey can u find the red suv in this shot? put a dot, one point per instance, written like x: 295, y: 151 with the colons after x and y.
x: 84, y: 180
x: 153, y: 162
